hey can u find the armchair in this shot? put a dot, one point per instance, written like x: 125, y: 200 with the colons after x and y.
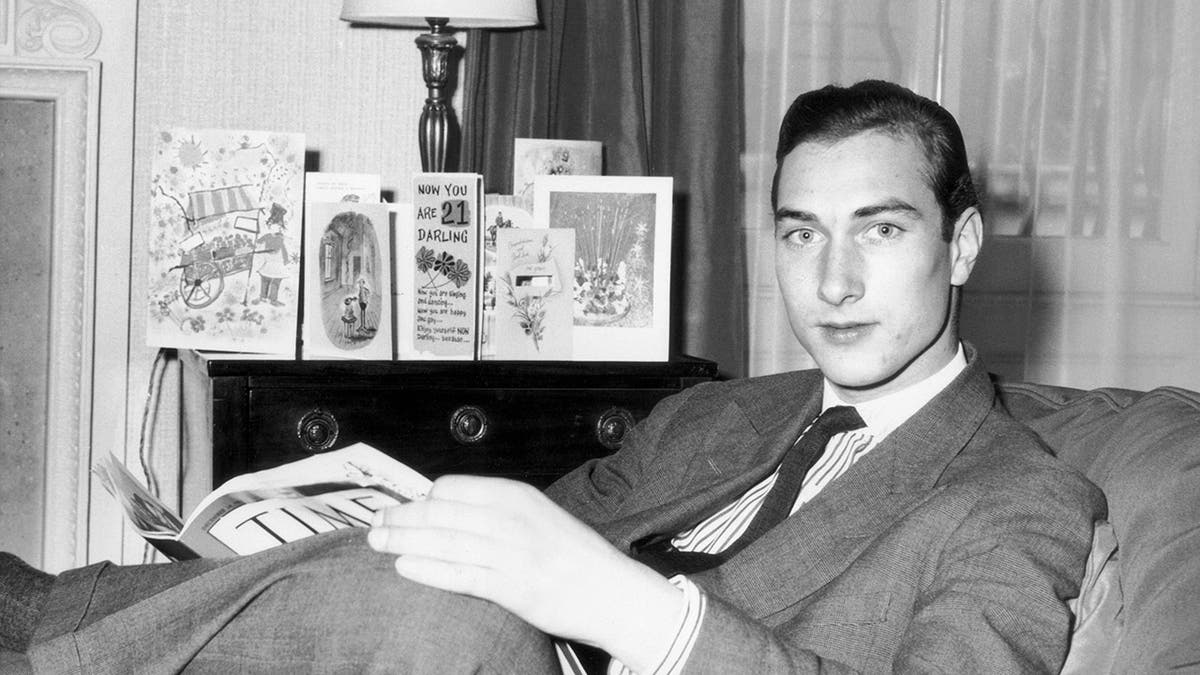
x: 1140, y: 606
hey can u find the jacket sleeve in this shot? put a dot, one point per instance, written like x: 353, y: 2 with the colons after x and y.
x: 992, y: 598
x: 596, y: 489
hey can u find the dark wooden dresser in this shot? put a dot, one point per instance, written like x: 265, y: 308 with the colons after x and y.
x: 532, y: 421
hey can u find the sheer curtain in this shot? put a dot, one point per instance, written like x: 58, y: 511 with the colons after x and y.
x: 1081, y: 119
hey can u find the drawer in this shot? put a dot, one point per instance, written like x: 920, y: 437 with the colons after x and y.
x: 534, y: 435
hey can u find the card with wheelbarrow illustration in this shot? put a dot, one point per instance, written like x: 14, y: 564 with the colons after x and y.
x: 224, y: 240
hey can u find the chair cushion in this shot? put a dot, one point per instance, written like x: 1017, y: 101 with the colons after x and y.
x: 1097, y: 610
x: 1143, y: 450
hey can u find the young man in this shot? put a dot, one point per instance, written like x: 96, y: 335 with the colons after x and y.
x: 927, y: 529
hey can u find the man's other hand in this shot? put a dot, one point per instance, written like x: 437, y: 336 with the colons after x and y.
x: 504, y: 541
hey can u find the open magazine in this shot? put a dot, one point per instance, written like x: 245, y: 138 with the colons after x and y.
x: 255, y: 511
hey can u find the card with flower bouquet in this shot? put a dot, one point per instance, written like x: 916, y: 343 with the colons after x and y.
x: 622, y: 269
x: 447, y: 283
x: 500, y: 212
x: 533, y: 294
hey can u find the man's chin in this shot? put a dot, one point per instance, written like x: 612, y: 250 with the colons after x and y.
x: 863, y: 384
x: 855, y: 374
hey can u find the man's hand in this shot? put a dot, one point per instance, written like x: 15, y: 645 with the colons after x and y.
x: 506, y: 542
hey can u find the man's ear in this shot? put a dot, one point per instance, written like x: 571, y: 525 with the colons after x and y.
x: 965, y: 245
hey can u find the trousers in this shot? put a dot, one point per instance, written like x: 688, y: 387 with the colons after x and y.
x: 326, y: 604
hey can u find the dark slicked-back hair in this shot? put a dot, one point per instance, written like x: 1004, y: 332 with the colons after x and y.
x: 834, y: 113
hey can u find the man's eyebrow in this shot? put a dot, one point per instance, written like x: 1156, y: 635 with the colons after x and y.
x: 892, y: 205
x: 888, y: 206
x: 794, y: 214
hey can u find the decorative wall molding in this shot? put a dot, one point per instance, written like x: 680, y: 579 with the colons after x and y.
x: 73, y: 86
x: 55, y: 28
x: 7, y: 22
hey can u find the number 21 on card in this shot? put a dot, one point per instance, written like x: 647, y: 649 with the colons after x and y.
x: 456, y: 212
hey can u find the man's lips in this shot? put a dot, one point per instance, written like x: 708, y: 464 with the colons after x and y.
x: 844, y: 332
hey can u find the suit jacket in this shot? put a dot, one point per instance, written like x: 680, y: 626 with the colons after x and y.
x: 950, y: 547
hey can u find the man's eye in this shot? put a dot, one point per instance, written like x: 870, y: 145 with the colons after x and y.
x: 887, y: 231
x: 800, y: 236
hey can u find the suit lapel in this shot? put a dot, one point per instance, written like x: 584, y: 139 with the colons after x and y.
x: 758, y: 426
x: 827, y: 534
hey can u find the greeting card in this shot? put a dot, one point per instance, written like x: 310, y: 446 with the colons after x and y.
x: 347, y: 281
x: 622, y: 263
x: 534, y: 157
x: 447, y: 284
x: 533, y: 294
x: 224, y: 240
x: 323, y: 186
x: 499, y: 212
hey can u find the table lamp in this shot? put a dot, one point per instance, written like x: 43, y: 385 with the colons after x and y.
x: 435, y: 46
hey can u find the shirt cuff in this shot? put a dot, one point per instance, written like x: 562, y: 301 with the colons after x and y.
x: 687, y: 629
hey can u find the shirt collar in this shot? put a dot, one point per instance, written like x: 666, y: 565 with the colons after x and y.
x: 887, y: 412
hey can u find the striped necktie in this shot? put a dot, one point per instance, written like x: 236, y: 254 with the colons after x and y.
x: 658, y: 553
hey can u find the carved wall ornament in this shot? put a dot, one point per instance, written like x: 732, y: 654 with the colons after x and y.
x: 56, y: 28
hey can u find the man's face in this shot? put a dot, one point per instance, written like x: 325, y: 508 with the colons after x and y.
x: 864, y: 271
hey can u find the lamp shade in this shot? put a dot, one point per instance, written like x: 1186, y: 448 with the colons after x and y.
x: 461, y: 13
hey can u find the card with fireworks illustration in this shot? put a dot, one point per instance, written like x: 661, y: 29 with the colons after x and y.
x: 533, y: 294
x: 224, y: 240
x: 347, y: 281
x: 622, y: 263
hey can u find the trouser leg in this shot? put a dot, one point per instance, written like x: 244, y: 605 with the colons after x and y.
x: 324, y: 604
x: 23, y: 592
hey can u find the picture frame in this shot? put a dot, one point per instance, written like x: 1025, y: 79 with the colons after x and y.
x: 622, y: 267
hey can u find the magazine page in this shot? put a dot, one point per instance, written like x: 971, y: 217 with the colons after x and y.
x: 253, y: 521
x: 255, y: 511
x: 333, y: 490
x: 152, y: 519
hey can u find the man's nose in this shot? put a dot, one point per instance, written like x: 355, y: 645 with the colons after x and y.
x: 841, y: 277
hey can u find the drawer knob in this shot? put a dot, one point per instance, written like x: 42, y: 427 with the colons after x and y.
x: 317, y: 430
x: 612, y: 427
x: 469, y: 425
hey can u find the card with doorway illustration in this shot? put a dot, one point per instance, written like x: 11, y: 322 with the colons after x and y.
x: 347, y: 281
x: 533, y: 294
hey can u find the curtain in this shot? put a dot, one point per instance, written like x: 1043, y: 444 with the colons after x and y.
x: 658, y: 82
x: 1083, y: 129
